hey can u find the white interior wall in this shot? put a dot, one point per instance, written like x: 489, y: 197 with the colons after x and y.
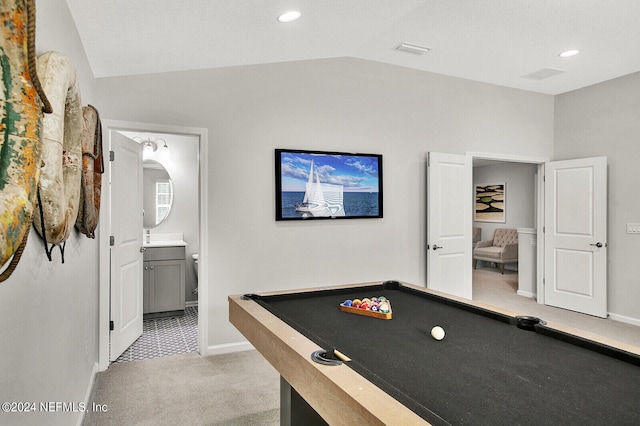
x: 602, y: 120
x: 49, y: 310
x: 337, y: 104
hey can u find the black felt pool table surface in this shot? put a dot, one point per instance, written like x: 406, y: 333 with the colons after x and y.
x: 485, y: 371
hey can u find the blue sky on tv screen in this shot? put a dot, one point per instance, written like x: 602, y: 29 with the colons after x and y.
x: 356, y: 173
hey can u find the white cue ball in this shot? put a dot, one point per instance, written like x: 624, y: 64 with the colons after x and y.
x: 437, y: 332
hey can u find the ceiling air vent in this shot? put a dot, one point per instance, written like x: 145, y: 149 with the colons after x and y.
x: 412, y: 48
x: 543, y: 73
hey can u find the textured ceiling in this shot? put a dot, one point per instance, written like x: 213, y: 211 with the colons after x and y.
x: 493, y: 41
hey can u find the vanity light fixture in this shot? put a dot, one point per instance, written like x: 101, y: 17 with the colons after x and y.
x: 289, y: 16
x: 568, y: 53
x: 149, y: 147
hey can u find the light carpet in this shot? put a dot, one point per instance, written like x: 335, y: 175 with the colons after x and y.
x: 233, y: 389
x: 492, y: 288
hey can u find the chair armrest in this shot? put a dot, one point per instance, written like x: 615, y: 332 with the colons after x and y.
x: 510, y: 251
x: 485, y: 243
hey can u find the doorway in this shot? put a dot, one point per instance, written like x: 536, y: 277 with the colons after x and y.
x: 508, y: 168
x: 517, y: 183
x: 197, y: 231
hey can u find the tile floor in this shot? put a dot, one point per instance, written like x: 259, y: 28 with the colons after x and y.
x: 165, y: 336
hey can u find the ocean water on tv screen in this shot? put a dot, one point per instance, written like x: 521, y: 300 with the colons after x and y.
x: 355, y: 204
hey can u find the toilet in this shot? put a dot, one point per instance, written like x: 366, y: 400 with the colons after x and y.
x: 195, y: 263
x: 195, y: 267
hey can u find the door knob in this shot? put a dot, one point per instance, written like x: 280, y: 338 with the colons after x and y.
x: 435, y: 247
x: 143, y: 249
x: 598, y: 244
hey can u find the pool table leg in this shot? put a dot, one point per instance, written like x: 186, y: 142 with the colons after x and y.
x: 294, y: 410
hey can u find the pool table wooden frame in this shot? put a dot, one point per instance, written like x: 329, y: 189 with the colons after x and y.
x: 337, y: 393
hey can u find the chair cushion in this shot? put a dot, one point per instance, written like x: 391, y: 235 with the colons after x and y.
x: 489, y: 252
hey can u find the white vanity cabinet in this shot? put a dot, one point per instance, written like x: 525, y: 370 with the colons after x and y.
x: 164, y: 276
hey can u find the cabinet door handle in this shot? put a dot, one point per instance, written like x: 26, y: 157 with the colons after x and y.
x: 150, y: 267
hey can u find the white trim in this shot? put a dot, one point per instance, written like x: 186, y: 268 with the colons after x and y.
x: 625, y: 319
x: 191, y: 303
x: 526, y: 294
x: 88, y: 394
x: 228, y: 348
x: 105, y: 229
x: 509, y: 158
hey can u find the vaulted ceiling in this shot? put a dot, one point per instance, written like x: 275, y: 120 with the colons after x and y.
x: 513, y: 43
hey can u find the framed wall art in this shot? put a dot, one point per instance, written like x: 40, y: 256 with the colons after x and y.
x: 491, y: 203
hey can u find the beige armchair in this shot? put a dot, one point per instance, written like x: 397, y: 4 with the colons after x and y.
x: 501, y: 249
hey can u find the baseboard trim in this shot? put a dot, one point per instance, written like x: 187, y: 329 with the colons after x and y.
x: 228, y: 348
x: 88, y: 394
x: 190, y: 303
x: 627, y: 320
x: 526, y: 294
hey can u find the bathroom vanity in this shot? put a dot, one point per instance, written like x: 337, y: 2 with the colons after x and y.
x: 164, y: 278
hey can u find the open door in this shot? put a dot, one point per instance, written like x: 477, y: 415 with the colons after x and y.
x: 449, y: 223
x: 575, y: 237
x: 126, y: 247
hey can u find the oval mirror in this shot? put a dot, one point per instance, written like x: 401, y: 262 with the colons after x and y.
x: 157, y: 193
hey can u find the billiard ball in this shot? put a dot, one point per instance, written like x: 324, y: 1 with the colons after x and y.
x: 437, y: 332
x: 356, y: 303
x: 364, y: 305
x: 347, y: 302
x: 384, y: 307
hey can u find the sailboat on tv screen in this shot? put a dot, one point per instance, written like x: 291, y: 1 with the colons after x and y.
x: 320, y: 199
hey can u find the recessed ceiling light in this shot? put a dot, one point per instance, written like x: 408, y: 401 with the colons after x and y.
x: 289, y: 16
x: 568, y: 53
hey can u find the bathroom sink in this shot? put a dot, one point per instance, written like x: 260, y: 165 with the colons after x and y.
x: 164, y: 240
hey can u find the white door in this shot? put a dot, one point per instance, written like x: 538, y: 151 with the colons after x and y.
x: 575, y: 235
x: 126, y: 254
x: 449, y: 223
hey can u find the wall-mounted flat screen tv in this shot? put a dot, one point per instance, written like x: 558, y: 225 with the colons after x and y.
x: 327, y: 185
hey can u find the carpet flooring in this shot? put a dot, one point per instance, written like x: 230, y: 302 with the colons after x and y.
x: 224, y: 390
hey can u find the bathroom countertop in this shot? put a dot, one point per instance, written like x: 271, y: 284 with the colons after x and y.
x: 164, y: 240
x: 167, y: 243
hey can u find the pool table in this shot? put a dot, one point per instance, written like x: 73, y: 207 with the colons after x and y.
x: 492, y: 367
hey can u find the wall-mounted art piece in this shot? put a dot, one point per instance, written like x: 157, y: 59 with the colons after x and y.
x: 327, y: 185
x: 491, y: 202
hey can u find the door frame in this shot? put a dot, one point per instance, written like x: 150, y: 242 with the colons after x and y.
x: 105, y: 231
x: 539, y: 161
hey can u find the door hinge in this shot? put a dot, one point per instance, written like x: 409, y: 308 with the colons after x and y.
x: 111, y: 327
x: 112, y: 240
x: 112, y: 156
